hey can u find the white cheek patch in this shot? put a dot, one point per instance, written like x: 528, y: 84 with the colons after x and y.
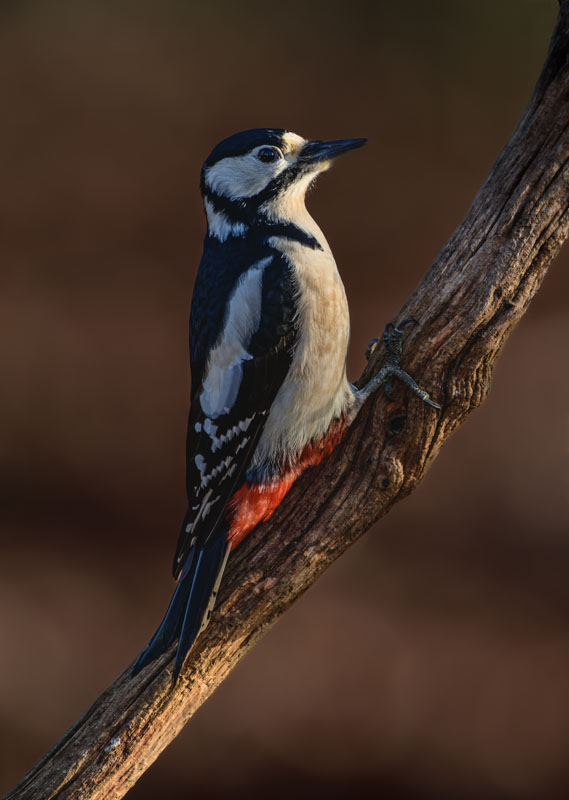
x: 242, y: 176
x: 220, y: 226
x: 224, y: 371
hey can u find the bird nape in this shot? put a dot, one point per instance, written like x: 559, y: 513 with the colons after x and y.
x: 269, y: 329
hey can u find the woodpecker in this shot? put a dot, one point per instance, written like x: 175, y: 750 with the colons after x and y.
x: 269, y: 329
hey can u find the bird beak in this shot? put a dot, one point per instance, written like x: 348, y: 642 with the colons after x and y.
x: 315, y: 152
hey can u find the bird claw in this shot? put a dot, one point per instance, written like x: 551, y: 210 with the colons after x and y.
x: 431, y: 403
x: 392, y: 341
x: 371, y: 347
x: 407, y: 321
x: 391, y: 333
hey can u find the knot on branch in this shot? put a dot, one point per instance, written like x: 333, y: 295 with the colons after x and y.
x: 390, y: 475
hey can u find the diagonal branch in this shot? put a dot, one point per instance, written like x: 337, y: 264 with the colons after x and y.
x: 468, y: 303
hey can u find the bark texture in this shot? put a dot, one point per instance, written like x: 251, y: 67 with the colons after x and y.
x: 468, y: 303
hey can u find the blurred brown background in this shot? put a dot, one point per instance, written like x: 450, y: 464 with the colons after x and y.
x: 433, y: 659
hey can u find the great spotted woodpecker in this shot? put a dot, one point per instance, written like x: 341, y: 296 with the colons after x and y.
x: 269, y: 328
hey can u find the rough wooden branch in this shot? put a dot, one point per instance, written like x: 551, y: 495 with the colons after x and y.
x: 468, y: 302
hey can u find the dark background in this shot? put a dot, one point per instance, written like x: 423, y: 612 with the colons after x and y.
x: 433, y: 659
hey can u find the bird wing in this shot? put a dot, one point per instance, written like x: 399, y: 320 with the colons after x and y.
x: 238, y: 382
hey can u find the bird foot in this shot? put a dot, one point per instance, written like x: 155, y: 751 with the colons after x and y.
x: 393, y: 344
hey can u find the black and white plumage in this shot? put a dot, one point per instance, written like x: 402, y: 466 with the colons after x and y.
x: 269, y: 330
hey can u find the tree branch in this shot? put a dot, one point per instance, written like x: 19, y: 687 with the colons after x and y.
x: 468, y: 303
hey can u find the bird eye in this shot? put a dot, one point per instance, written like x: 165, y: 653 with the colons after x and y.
x: 268, y: 154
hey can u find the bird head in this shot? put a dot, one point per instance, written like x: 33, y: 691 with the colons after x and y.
x: 262, y: 172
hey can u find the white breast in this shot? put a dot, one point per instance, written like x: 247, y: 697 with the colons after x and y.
x: 315, y: 390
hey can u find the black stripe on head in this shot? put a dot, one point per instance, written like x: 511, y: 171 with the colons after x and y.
x: 244, y: 142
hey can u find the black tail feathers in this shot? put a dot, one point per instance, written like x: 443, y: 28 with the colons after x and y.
x: 191, y: 604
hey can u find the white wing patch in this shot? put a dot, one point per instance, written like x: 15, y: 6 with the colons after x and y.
x: 218, y: 441
x: 203, y: 510
x: 225, y: 465
x: 200, y: 464
x: 242, y: 444
x: 214, y: 470
x: 190, y: 526
x: 224, y: 371
x: 221, y: 466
